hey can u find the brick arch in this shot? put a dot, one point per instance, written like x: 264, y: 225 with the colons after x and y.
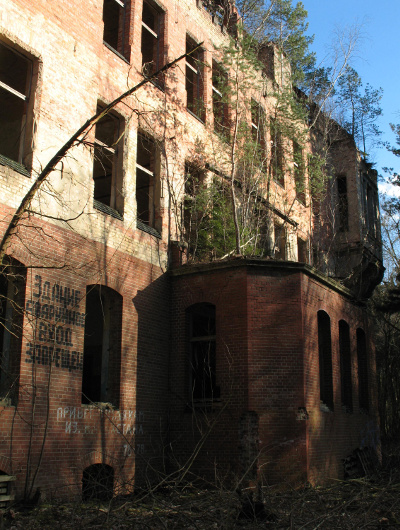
x: 98, y: 457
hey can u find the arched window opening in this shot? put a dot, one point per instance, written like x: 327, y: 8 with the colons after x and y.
x: 98, y: 482
x: 345, y: 366
x: 202, y: 353
x: 12, y: 301
x: 102, y: 346
x: 362, y: 358
x: 325, y: 360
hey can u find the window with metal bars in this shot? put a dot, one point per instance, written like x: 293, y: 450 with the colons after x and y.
x: 202, y: 353
x: 107, y: 164
x: 194, y: 80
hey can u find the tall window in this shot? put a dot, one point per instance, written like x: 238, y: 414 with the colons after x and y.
x: 194, y: 80
x: 202, y: 354
x: 147, y: 183
x: 325, y: 360
x: 276, y: 162
x: 299, y: 172
x: 12, y: 297
x: 220, y: 108
x: 345, y: 366
x: 116, y: 26
x: 343, y: 205
x: 362, y: 358
x: 301, y: 250
x: 107, y: 165
x: 102, y: 346
x: 258, y: 128
x: 15, y: 87
x: 193, y: 211
x: 280, y: 242
x: 152, y: 41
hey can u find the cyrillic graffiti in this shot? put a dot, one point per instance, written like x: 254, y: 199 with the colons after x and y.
x: 56, y: 307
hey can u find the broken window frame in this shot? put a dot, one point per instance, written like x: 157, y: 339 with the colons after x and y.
x: 325, y: 361
x: 116, y: 33
x: 155, y: 37
x: 194, y: 81
x: 299, y: 172
x: 280, y: 242
x: 362, y: 362
x: 14, y: 98
x: 102, y: 354
x: 192, y: 215
x: 108, y: 156
x: 276, y: 159
x: 345, y: 366
x: 258, y: 121
x: 343, y: 203
x: 301, y: 250
x: 220, y: 108
x: 147, y: 178
x: 12, y: 303
x: 203, y: 387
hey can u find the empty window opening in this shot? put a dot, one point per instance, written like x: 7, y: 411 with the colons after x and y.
x: 280, y: 242
x: 98, y: 482
x: 107, y: 165
x: 202, y: 354
x: 301, y: 250
x: 276, y: 162
x: 194, y: 80
x: 299, y: 172
x: 116, y: 26
x: 325, y: 360
x: 193, y: 205
x: 372, y: 212
x: 362, y: 358
x: 258, y: 128
x: 343, y: 205
x: 12, y: 298
x: 220, y: 108
x: 147, y: 183
x: 102, y: 346
x: 345, y: 366
x: 152, y: 45
x: 15, y: 87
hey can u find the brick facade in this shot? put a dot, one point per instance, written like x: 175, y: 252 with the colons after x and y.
x: 86, y: 272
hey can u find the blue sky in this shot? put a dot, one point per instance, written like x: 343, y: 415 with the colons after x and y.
x: 377, y: 56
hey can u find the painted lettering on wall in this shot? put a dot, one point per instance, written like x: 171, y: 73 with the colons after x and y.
x: 56, y: 309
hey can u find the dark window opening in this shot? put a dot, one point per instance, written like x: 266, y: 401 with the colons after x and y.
x: 258, y: 129
x: 12, y: 301
x: 276, y: 163
x: 343, y: 205
x: 280, y: 242
x: 15, y: 87
x: 362, y: 358
x: 301, y: 250
x: 372, y: 211
x: 345, y: 366
x: 98, y: 482
x: 194, y: 80
x: 202, y: 354
x: 325, y: 360
x: 116, y: 26
x: 299, y: 172
x: 220, y: 108
x: 193, y: 205
x: 216, y: 9
x: 102, y: 346
x: 147, y: 183
x: 152, y: 45
x: 107, y: 164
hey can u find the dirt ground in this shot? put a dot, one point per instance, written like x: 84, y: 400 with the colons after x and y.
x: 359, y: 503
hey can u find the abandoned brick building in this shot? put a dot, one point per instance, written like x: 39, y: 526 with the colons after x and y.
x: 121, y: 356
